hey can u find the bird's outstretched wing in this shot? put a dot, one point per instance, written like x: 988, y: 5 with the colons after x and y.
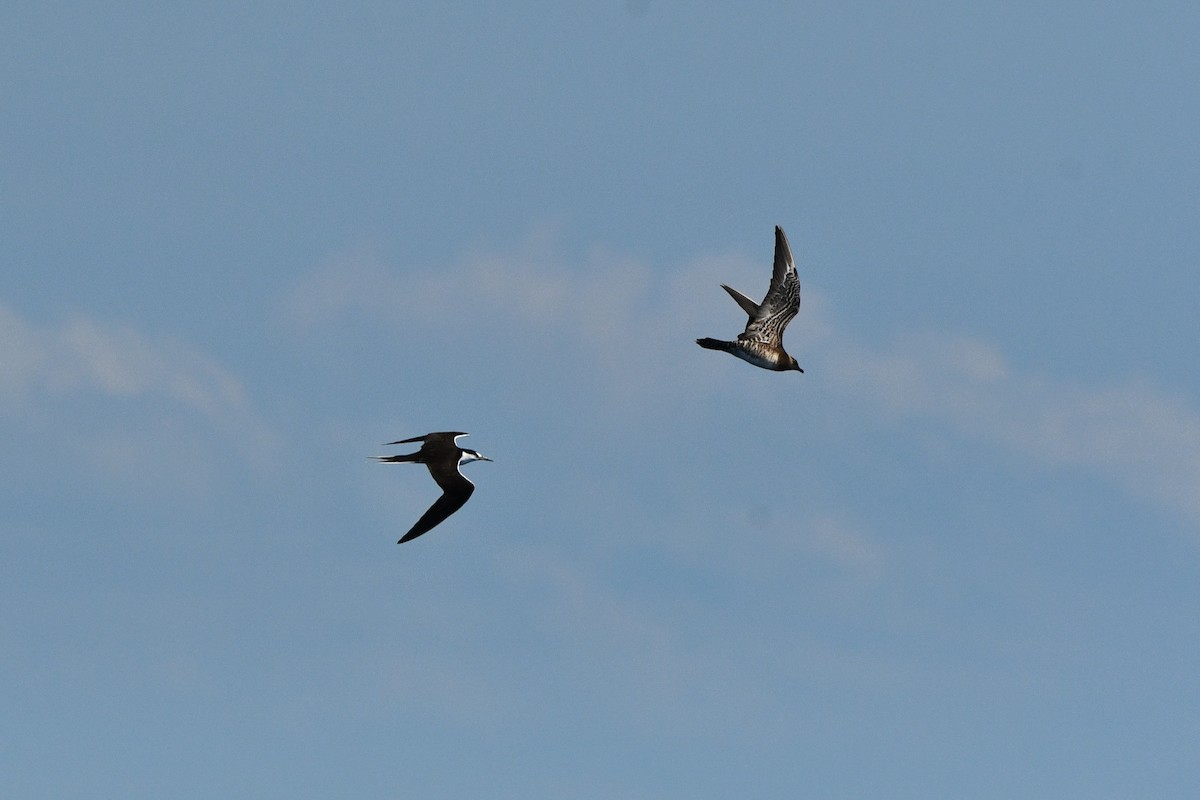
x: 440, y: 436
x: 455, y: 493
x: 749, y: 306
x: 782, y: 302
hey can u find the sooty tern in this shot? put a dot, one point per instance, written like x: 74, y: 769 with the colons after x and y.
x: 762, y: 342
x: 442, y: 455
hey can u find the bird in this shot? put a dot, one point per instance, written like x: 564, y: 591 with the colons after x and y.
x: 762, y: 342
x: 444, y: 458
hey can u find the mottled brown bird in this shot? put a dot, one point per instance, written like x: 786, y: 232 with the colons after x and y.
x: 762, y: 342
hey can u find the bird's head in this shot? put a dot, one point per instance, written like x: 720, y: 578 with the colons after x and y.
x: 468, y: 456
x: 793, y: 365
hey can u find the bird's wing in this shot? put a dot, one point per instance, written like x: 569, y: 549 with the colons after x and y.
x: 782, y: 302
x: 748, y: 305
x: 407, y: 441
x: 447, y: 504
x: 449, y: 436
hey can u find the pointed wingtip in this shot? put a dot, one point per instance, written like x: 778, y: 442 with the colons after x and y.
x: 783, y: 252
x: 747, y: 305
x: 409, y: 441
x: 408, y: 537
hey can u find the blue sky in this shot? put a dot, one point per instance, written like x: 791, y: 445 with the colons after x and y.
x: 244, y: 246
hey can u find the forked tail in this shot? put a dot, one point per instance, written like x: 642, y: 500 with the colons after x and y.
x: 399, y: 459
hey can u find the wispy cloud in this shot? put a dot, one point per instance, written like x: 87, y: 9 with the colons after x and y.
x: 87, y: 357
x: 49, y: 370
x: 1137, y: 436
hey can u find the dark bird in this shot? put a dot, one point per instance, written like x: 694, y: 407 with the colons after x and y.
x: 442, y: 455
x: 762, y: 342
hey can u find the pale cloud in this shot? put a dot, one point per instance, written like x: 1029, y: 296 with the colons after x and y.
x: 1137, y: 436
x: 85, y: 356
x: 529, y: 289
x: 122, y: 362
x: 47, y: 371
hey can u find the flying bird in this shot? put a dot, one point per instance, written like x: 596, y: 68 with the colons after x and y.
x: 762, y: 342
x: 442, y: 455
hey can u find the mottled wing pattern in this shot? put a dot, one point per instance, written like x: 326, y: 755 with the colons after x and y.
x: 782, y: 302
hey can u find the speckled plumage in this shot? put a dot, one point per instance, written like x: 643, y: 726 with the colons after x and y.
x: 761, y: 344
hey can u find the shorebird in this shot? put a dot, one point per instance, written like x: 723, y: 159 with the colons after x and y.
x: 762, y: 342
x: 442, y: 455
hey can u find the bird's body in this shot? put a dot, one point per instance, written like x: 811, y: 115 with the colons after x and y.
x: 761, y: 344
x: 442, y: 455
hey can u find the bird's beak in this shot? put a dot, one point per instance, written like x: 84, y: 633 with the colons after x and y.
x: 484, y: 458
